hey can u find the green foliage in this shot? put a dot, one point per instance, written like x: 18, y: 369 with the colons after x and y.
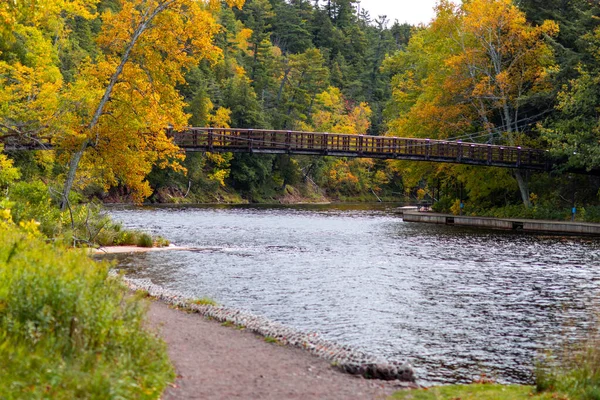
x: 443, y: 205
x: 67, y: 330
x: 475, y: 392
x: 80, y: 224
x: 519, y: 211
x: 145, y: 240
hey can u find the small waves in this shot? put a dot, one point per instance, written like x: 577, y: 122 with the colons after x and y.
x: 457, y: 303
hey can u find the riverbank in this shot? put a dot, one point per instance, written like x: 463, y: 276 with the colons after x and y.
x: 343, y: 357
x: 213, y: 361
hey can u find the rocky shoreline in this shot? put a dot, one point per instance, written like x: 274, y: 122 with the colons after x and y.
x: 343, y: 357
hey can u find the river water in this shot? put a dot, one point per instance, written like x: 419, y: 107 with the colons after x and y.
x: 455, y: 303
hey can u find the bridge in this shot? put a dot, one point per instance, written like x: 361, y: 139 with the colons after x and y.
x: 341, y: 145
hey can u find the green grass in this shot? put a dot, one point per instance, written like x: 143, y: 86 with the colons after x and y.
x: 67, y: 330
x: 270, y: 339
x: 205, y: 301
x: 476, y: 392
x: 574, y: 371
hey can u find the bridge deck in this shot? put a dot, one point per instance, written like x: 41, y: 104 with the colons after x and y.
x: 333, y: 144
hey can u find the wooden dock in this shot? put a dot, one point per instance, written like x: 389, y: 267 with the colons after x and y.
x: 507, y: 224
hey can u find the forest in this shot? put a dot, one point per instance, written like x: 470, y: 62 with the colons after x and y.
x: 102, y: 80
x: 98, y: 83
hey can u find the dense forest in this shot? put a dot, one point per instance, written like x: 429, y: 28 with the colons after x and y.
x: 102, y: 79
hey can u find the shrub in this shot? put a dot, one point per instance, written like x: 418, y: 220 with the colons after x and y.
x: 67, y: 330
x: 81, y: 224
x: 145, y: 240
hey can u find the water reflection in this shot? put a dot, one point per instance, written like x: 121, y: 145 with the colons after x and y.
x: 455, y: 302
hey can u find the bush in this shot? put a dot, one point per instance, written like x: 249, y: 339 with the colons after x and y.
x: 145, y: 240
x: 81, y: 224
x: 67, y: 330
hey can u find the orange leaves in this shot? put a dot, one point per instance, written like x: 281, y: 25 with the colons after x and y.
x: 341, y: 177
x: 500, y: 53
x: 476, y: 61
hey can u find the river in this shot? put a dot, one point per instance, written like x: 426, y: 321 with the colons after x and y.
x: 456, y: 303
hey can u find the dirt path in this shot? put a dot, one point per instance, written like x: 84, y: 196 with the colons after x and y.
x: 216, y: 362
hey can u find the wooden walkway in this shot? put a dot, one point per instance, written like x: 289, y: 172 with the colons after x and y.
x: 507, y: 224
x: 340, y: 145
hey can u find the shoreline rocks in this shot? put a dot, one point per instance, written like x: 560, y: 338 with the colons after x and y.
x: 345, y: 358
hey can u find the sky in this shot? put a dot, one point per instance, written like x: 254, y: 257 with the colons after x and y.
x: 411, y: 11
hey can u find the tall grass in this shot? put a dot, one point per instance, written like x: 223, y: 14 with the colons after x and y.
x: 574, y: 372
x: 67, y: 330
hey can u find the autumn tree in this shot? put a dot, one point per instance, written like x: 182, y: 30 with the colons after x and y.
x: 31, y: 107
x: 126, y: 98
x: 485, y: 62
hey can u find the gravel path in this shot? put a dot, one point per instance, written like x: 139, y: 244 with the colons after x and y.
x: 217, y: 362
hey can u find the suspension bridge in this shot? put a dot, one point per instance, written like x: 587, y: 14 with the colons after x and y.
x: 342, y: 145
x: 257, y: 141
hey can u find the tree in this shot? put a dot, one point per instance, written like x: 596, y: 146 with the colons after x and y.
x: 128, y: 97
x: 305, y: 76
x: 31, y: 108
x: 492, y: 63
x: 332, y: 113
x: 574, y: 133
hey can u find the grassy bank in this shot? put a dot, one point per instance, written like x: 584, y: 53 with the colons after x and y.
x: 67, y: 330
x: 571, y: 374
x: 476, y: 392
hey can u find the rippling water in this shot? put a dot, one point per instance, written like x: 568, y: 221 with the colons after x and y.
x: 456, y: 303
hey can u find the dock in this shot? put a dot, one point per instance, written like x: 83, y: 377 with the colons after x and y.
x: 506, y: 224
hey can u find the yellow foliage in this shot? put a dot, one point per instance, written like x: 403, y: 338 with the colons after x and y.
x: 476, y: 58
x: 219, y: 176
x: 8, y: 173
x: 220, y: 164
x: 455, y: 208
x: 221, y: 118
x: 334, y: 114
x: 130, y: 137
x: 31, y: 228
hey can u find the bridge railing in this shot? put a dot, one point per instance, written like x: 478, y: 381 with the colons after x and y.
x: 298, y: 142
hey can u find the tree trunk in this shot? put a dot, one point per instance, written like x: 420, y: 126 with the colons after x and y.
x: 523, y: 188
x: 76, y: 157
